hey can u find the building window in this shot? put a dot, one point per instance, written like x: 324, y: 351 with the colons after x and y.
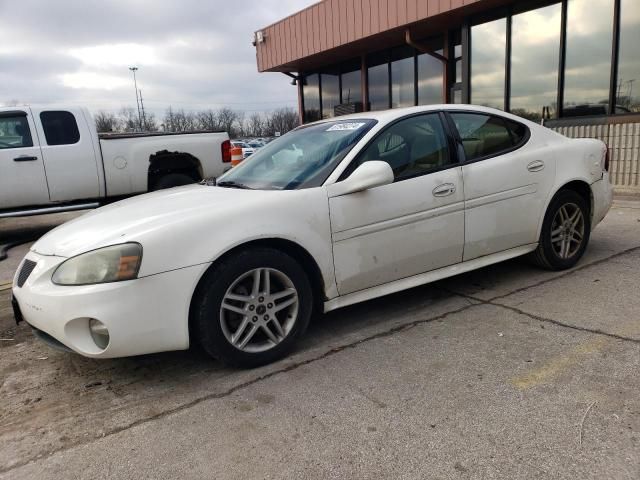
x: 535, y: 47
x: 488, y: 50
x: 402, y: 78
x: 378, y: 87
x: 330, y: 84
x: 311, y: 98
x: 430, y: 78
x: 588, y: 57
x: 352, y: 86
x: 628, y: 87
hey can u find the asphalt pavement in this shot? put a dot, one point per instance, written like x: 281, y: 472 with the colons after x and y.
x: 506, y: 372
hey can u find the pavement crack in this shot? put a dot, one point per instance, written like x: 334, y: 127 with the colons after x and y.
x: 539, y: 318
x: 214, y: 396
x: 565, y: 274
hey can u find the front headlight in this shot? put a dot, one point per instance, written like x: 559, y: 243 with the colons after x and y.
x: 108, y: 264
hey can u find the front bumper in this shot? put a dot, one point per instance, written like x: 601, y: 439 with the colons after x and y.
x: 146, y: 315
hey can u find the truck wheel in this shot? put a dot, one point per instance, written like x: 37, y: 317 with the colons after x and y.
x: 252, y: 307
x: 173, y: 180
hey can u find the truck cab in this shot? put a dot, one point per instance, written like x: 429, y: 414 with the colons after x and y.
x: 48, y: 155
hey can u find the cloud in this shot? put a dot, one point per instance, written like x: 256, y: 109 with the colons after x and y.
x: 191, y: 54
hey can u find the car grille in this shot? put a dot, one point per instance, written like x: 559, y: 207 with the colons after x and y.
x: 25, y: 271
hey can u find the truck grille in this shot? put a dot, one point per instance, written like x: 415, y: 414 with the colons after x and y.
x: 25, y: 271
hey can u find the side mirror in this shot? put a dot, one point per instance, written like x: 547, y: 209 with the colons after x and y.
x: 374, y: 173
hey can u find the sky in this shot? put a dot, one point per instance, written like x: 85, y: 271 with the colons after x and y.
x: 191, y: 54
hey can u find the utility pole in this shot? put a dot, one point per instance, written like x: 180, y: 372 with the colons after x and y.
x: 144, y: 118
x: 135, y: 84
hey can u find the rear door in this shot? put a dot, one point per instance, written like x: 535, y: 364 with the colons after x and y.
x: 23, y: 181
x: 507, y: 177
x: 411, y: 226
x: 69, y: 156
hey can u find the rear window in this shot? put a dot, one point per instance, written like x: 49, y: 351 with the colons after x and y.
x: 60, y: 128
x: 487, y: 135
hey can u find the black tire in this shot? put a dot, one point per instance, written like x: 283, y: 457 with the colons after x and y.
x: 207, y: 318
x: 546, y: 255
x: 173, y: 180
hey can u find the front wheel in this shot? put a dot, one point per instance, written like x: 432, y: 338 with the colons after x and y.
x: 252, y: 307
x: 565, y: 232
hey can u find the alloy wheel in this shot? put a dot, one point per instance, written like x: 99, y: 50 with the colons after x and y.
x: 259, y: 310
x: 567, y: 230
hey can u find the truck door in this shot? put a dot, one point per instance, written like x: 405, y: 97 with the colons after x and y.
x: 67, y: 146
x: 23, y: 181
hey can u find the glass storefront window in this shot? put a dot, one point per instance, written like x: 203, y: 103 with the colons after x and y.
x: 588, y: 62
x: 402, y: 78
x: 628, y: 87
x: 430, y: 78
x: 311, y: 98
x: 488, y: 50
x: 378, y: 86
x: 330, y: 85
x: 351, y: 87
x: 535, y: 47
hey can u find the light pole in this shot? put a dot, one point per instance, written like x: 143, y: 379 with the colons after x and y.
x: 135, y: 84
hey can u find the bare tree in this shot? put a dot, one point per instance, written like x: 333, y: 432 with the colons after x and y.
x: 150, y: 124
x: 128, y: 119
x: 282, y: 120
x: 226, y: 118
x: 107, y: 122
x: 255, y: 125
x: 208, y: 120
x: 179, y: 120
x: 240, y: 129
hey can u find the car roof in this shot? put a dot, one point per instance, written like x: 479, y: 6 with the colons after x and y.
x: 395, y: 113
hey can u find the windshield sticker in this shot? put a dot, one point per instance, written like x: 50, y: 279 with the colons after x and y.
x: 345, y: 126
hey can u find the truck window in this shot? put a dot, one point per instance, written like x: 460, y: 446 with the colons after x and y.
x: 14, y: 131
x: 60, y: 128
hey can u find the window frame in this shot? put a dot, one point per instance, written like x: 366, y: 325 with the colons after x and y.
x: 15, y: 114
x: 44, y: 130
x: 460, y: 147
x: 452, y: 145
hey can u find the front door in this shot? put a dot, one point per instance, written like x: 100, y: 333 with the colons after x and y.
x: 22, y: 176
x: 411, y: 226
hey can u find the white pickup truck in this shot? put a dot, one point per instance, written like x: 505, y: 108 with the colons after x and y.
x: 52, y: 159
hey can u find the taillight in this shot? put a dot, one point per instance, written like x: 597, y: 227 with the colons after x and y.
x: 606, y: 158
x: 226, y: 151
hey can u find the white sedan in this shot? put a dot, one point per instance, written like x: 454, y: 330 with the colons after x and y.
x: 333, y: 213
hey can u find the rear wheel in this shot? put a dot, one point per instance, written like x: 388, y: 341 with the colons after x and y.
x: 252, y: 307
x: 565, y: 232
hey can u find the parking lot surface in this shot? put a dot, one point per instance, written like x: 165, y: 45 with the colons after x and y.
x: 506, y: 372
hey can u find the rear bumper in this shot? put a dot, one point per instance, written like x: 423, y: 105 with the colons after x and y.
x: 602, y: 199
x: 145, y: 315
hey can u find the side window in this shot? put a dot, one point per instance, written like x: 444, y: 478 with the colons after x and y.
x: 14, y: 132
x: 60, y: 128
x: 484, y: 135
x: 413, y: 146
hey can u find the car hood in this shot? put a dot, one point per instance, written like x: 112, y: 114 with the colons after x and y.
x: 150, y: 215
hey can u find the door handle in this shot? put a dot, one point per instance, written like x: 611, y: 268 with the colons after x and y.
x: 25, y: 158
x: 535, y: 166
x: 444, y: 190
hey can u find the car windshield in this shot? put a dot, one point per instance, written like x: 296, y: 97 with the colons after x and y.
x: 302, y: 158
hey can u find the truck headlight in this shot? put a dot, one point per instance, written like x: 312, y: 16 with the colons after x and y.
x: 108, y: 264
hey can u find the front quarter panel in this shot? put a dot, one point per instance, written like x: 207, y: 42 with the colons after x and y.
x: 300, y: 216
